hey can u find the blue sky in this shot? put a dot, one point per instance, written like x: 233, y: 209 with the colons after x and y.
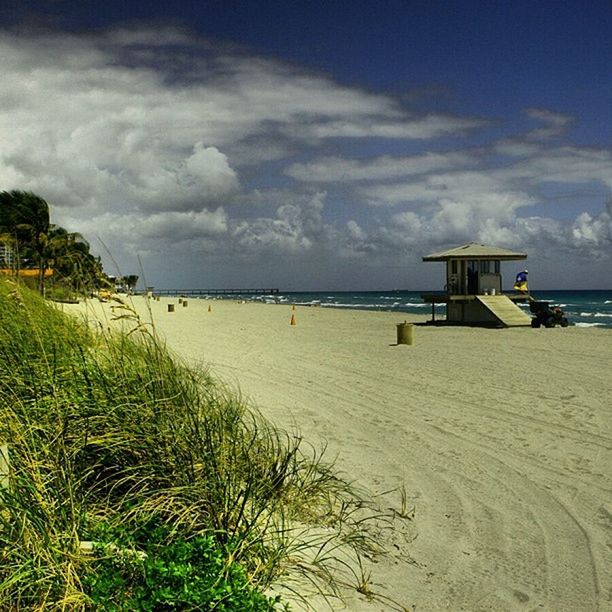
x: 315, y: 145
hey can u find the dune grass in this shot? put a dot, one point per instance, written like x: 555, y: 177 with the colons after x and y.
x: 191, y: 499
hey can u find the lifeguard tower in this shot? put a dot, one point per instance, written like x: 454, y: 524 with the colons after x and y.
x: 473, y: 293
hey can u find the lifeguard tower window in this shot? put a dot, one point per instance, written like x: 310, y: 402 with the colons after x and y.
x: 453, y: 266
x: 485, y: 266
x: 472, y: 277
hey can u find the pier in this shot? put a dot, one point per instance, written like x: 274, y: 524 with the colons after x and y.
x: 201, y: 292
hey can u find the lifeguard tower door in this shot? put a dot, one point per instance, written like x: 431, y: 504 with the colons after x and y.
x: 456, y: 277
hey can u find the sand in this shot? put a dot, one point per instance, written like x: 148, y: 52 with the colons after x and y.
x: 501, y: 437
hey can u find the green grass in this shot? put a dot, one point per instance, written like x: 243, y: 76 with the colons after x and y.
x: 114, y: 440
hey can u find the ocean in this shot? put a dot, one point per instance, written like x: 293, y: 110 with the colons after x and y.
x: 582, y: 308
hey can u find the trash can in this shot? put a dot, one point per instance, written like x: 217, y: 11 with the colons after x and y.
x: 405, y: 333
x: 170, y: 307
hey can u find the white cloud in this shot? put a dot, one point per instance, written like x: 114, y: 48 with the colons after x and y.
x: 89, y: 120
x: 297, y: 227
x: 555, y: 124
x: 133, y: 230
x: 564, y: 164
x: 355, y: 231
x: 337, y: 169
x: 593, y: 233
x: 422, y: 128
x: 159, y: 142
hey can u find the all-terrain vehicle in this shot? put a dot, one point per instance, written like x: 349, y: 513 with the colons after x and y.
x: 546, y: 315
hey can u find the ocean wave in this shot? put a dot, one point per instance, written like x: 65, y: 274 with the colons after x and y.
x: 589, y: 325
x: 587, y: 315
x: 366, y: 306
x: 343, y: 305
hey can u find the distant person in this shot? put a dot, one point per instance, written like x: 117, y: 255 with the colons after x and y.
x: 520, y: 284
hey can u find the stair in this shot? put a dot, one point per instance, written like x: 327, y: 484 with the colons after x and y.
x: 504, y: 310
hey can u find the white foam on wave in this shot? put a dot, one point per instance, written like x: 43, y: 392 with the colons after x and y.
x: 589, y: 325
x: 587, y: 315
x: 356, y: 306
x: 368, y: 306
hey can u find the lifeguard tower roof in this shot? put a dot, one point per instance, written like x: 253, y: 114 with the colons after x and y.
x: 473, y: 250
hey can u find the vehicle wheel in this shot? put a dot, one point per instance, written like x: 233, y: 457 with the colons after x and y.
x: 550, y: 322
x: 564, y: 322
x: 535, y: 323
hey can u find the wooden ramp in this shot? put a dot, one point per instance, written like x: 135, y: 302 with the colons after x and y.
x: 504, y: 310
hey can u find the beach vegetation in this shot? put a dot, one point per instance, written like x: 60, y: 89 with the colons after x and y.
x: 32, y: 243
x: 139, y: 481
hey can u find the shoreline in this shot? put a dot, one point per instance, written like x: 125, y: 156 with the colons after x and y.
x: 583, y: 308
x: 501, y: 437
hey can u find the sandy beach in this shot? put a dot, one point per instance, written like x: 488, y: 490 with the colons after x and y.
x: 502, y: 439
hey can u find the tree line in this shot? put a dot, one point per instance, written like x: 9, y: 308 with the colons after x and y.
x: 31, y: 242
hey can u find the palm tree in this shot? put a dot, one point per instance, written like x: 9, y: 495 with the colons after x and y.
x: 25, y: 217
x: 25, y: 227
x: 68, y: 253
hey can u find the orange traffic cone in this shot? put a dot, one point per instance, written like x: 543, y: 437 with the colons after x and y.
x: 293, y: 320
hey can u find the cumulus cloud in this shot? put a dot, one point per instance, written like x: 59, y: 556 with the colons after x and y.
x: 297, y: 227
x: 594, y: 233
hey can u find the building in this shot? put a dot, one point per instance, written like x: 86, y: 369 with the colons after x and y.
x: 7, y: 258
x: 473, y: 292
x: 11, y: 266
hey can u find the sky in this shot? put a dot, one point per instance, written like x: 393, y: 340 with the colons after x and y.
x: 320, y: 145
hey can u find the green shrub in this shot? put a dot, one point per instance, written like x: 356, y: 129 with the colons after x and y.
x: 153, y: 568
